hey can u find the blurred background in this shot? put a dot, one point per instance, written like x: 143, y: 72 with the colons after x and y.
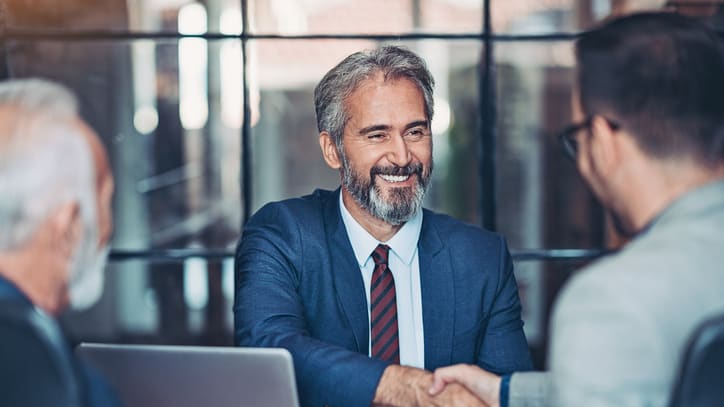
x: 207, y: 112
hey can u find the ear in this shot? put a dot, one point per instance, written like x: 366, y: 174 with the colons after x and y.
x: 329, y: 150
x: 66, y: 228
x: 605, y: 149
x: 104, y: 210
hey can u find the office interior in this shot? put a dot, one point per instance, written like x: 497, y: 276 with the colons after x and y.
x: 206, y: 110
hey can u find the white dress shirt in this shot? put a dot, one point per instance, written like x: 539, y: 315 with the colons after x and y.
x: 404, y: 264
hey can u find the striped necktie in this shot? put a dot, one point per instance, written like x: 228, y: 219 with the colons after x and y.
x: 383, y: 309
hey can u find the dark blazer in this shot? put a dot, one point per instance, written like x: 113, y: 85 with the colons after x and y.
x: 37, y: 368
x: 298, y: 286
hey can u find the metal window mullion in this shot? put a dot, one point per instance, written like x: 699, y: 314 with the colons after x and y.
x: 246, y: 167
x: 181, y: 255
x: 99, y: 35
x: 486, y: 151
x: 4, y: 64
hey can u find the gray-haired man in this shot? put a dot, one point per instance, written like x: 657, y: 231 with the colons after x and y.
x: 366, y: 289
x: 55, y: 224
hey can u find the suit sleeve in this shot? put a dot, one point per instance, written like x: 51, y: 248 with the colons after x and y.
x: 503, y: 348
x: 529, y: 389
x: 269, y: 312
x: 604, y: 350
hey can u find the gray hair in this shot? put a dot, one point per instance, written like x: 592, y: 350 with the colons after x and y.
x: 342, y: 80
x: 44, y: 160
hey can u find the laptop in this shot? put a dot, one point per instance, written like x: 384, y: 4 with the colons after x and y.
x: 179, y: 376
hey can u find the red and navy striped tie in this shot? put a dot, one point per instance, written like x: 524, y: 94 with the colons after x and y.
x: 383, y: 309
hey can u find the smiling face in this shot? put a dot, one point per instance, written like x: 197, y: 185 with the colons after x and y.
x: 386, y: 160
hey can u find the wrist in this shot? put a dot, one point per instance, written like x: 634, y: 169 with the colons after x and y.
x: 400, y: 385
x: 384, y: 387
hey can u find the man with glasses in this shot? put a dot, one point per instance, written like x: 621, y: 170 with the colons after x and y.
x: 651, y: 147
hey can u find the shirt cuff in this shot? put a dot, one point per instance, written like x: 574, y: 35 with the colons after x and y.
x: 504, y: 390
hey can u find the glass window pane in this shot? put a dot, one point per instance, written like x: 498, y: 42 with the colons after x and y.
x: 184, y: 16
x: 532, y: 17
x: 298, y: 17
x: 452, y: 16
x: 539, y: 283
x: 178, y: 303
x: 531, y: 289
x: 455, y: 188
x: 287, y: 158
x: 171, y: 129
x: 541, y: 199
x: 286, y: 155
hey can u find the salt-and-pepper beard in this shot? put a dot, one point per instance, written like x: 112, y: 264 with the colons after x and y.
x: 402, y: 203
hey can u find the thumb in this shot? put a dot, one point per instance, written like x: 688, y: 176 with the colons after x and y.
x: 442, y: 377
x: 438, y: 384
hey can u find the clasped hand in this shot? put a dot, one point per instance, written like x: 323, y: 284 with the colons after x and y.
x: 409, y: 386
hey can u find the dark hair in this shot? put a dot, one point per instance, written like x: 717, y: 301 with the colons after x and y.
x: 394, y: 62
x: 661, y: 77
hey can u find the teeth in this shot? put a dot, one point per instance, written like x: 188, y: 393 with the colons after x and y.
x: 395, y: 178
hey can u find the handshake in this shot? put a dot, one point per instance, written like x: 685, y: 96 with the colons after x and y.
x: 459, y: 385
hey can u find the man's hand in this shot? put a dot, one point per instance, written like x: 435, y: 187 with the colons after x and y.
x: 484, y: 385
x: 409, y: 386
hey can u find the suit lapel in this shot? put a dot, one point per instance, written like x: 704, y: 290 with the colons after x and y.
x: 350, y: 289
x: 438, y: 295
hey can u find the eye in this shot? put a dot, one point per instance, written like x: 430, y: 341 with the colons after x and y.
x: 375, y: 136
x: 416, y: 133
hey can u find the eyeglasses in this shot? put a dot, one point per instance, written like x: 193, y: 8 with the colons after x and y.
x: 568, y: 137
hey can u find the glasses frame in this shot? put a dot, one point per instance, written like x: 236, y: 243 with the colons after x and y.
x: 568, y: 136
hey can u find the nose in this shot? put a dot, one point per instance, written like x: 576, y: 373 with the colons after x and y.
x: 399, y: 153
x: 105, y: 227
x: 104, y: 212
x: 106, y: 233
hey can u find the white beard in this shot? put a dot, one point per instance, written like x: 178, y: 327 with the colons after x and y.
x: 86, y: 284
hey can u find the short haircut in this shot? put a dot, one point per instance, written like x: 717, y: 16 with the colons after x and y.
x: 44, y: 160
x: 341, y: 81
x: 661, y: 77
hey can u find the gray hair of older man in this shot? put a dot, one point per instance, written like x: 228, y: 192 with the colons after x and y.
x: 341, y: 81
x: 44, y: 161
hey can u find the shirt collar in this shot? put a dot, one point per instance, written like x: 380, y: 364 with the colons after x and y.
x: 403, y: 244
x: 702, y: 198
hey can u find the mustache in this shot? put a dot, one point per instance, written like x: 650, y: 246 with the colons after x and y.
x: 410, y: 169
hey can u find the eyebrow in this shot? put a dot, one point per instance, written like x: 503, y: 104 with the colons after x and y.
x: 374, y: 127
x: 416, y: 124
x: 385, y: 127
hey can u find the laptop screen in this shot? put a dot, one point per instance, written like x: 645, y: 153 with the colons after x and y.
x: 159, y: 375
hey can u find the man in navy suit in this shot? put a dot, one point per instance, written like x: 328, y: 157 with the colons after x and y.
x: 367, y: 290
x: 55, y: 223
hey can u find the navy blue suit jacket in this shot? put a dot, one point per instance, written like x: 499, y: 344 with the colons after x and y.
x: 37, y: 368
x: 298, y: 286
